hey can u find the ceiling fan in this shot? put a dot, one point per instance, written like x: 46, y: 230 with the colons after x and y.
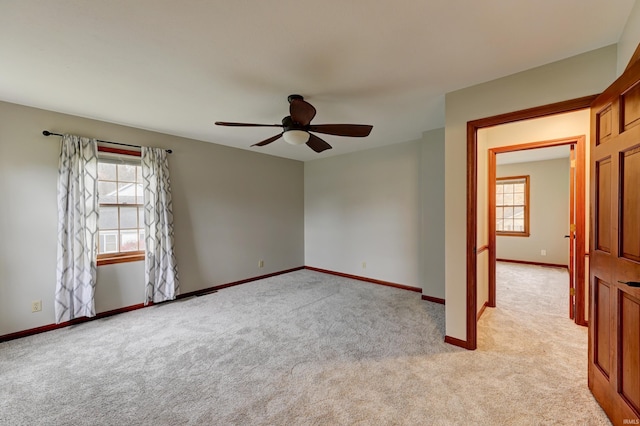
x: 297, y: 127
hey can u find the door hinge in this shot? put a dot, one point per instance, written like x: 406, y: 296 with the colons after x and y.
x: 572, y: 291
x: 573, y: 164
x: 572, y: 227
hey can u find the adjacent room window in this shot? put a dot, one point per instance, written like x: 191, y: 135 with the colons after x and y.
x: 121, y: 222
x: 512, y: 206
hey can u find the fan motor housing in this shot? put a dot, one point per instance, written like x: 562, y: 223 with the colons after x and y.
x: 289, y: 124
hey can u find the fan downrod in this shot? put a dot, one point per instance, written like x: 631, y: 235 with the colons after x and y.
x: 291, y: 98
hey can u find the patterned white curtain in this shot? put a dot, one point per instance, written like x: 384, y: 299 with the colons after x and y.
x: 77, y: 228
x: 161, y: 269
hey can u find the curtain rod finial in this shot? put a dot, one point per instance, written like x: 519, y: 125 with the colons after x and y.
x: 46, y: 132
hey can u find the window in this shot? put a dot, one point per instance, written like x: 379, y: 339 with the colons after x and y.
x: 512, y: 206
x: 121, y: 222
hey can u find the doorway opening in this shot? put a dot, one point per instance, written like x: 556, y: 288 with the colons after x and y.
x: 472, y: 193
x: 547, y: 227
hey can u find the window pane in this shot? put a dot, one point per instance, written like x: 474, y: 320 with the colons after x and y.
x: 119, y: 226
x: 106, y: 171
x: 107, y: 193
x: 129, y: 240
x: 128, y: 217
x: 139, y: 194
x: 126, y: 193
x: 508, y: 212
x: 141, y: 217
x: 518, y: 212
x: 508, y: 199
x: 108, y: 218
x: 518, y: 225
x: 126, y: 173
x: 108, y: 242
x: 511, y: 210
x: 518, y: 199
x: 508, y: 224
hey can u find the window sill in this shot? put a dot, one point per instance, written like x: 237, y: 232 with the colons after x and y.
x: 512, y: 234
x: 120, y: 258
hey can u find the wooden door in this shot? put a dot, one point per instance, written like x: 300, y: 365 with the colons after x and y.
x: 614, y: 312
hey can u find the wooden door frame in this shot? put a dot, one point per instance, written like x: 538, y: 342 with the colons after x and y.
x: 471, y: 342
x: 572, y: 234
x: 580, y: 233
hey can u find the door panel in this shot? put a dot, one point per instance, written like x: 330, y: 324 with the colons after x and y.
x: 602, y: 327
x: 614, y: 326
x: 604, y: 125
x: 630, y: 349
x: 603, y: 212
x: 630, y: 107
x: 630, y: 199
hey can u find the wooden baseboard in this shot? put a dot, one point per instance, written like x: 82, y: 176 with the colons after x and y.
x: 433, y: 299
x: 369, y: 280
x: 526, y: 262
x: 49, y: 327
x: 457, y: 342
x: 481, y: 311
x: 221, y: 286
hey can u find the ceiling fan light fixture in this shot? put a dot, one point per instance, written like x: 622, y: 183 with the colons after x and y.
x: 295, y: 137
x: 297, y: 127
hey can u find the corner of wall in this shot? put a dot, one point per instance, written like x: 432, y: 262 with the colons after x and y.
x: 432, y: 218
x: 629, y: 39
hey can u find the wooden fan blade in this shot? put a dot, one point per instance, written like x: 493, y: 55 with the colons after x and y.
x: 227, y: 123
x: 353, y: 130
x: 301, y: 112
x: 267, y: 141
x: 317, y: 144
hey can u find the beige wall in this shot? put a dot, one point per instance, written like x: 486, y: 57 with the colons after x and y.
x: 382, y: 207
x: 574, y: 77
x: 232, y: 208
x: 548, y: 213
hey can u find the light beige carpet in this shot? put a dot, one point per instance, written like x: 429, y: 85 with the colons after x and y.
x: 535, y: 349
x: 307, y: 348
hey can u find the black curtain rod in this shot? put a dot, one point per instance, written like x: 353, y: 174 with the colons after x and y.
x: 48, y: 133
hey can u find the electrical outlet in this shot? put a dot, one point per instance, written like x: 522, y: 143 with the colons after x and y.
x: 543, y: 252
x: 364, y: 265
x: 261, y: 264
x: 36, y: 306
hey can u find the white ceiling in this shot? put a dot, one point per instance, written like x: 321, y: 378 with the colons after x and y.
x: 178, y: 66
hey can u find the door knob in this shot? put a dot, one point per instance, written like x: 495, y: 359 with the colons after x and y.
x: 567, y: 236
x: 631, y: 283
